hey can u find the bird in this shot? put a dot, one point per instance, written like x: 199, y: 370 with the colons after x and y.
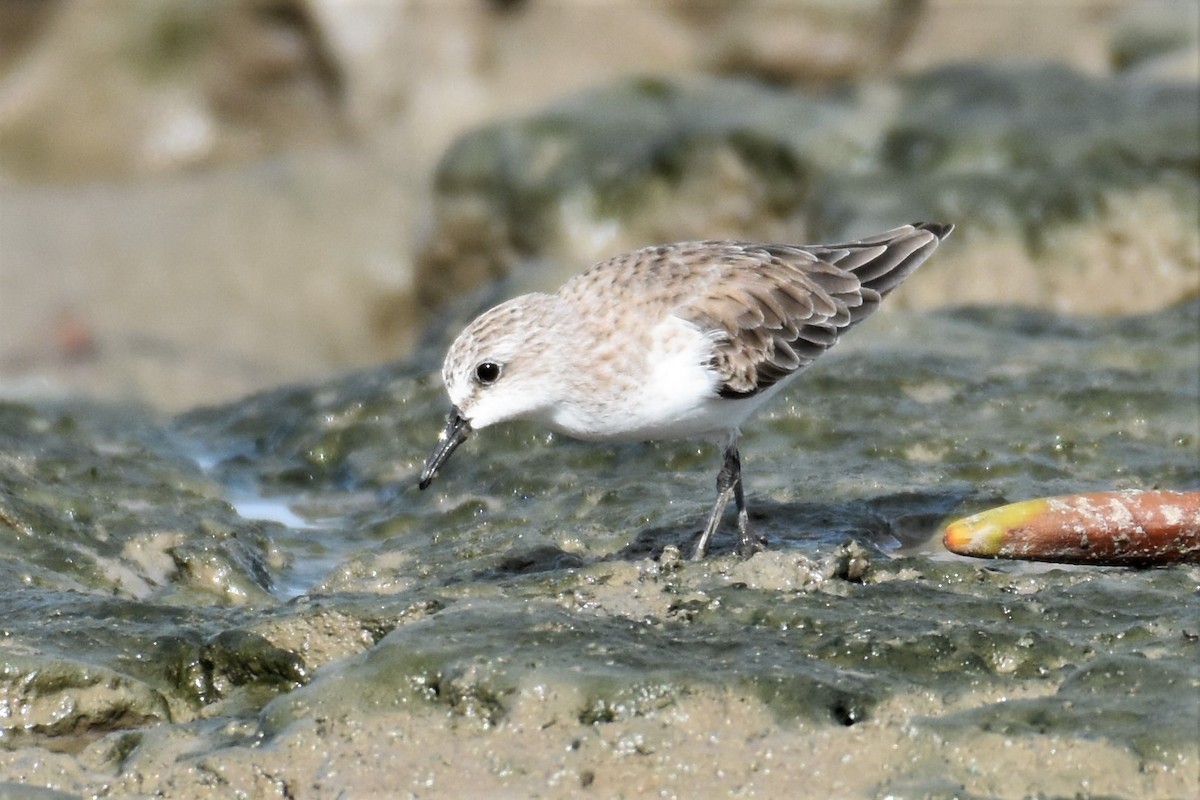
x: 674, y: 341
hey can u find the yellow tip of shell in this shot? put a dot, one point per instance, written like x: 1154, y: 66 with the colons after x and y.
x: 985, y: 533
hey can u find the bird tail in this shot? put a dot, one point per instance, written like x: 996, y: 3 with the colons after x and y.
x: 882, y: 262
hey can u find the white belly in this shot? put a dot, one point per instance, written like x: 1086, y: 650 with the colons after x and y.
x: 671, y: 395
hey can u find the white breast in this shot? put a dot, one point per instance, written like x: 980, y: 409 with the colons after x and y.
x: 667, y: 392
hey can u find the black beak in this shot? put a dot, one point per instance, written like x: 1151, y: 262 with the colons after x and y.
x: 455, y: 433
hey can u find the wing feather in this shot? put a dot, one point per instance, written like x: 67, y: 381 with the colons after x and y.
x: 770, y: 310
x: 773, y: 309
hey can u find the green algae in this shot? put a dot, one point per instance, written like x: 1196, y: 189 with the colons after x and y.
x: 542, y: 579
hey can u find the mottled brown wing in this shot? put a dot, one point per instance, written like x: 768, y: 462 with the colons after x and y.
x: 775, y: 308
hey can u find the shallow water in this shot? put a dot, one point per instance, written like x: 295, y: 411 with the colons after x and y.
x: 271, y: 562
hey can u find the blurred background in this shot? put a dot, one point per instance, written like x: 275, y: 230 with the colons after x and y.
x: 204, y: 198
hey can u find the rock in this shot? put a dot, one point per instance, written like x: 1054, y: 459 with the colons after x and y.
x: 1070, y: 182
x: 95, y: 499
x: 1150, y: 30
x: 614, y: 168
x: 228, y: 194
x: 500, y: 630
x: 133, y: 88
x: 62, y: 704
x: 805, y: 43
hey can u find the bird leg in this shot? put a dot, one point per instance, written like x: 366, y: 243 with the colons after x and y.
x: 748, y: 543
x: 729, y: 484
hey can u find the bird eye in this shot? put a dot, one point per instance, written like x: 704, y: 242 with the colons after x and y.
x: 487, y: 372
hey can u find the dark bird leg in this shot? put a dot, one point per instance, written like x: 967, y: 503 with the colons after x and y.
x: 729, y: 484
x: 748, y: 543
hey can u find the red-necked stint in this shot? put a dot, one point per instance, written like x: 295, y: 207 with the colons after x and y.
x: 678, y: 341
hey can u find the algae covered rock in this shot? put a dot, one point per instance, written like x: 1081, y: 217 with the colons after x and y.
x: 99, y: 499
x: 1062, y: 185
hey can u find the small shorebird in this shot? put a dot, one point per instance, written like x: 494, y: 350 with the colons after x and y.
x: 678, y: 341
